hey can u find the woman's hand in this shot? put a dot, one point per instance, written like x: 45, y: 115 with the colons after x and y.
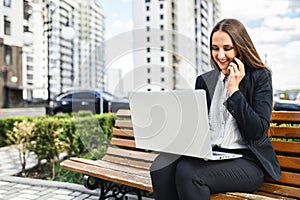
x: 236, y: 74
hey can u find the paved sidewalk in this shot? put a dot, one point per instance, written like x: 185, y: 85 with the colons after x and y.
x: 10, y: 163
x: 18, y: 188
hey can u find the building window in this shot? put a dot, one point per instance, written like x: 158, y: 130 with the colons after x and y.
x: 161, y: 27
x: 8, y: 55
x: 147, y: 18
x: 161, y: 6
x: 161, y: 16
x: 162, y: 79
x: 148, y: 39
x: 147, y: 8
x: 162, y: 69
x: 7, y: 3
x: 162, y: 59
x: 148, y: 89
x: 148, y: 28
x: 148, y: 80
x: 7, y: 26
x: 148, y: 50
x: 162, y: 38
x: 148, y: 70
x: 148, y: 60
x: 147, y: 1
x: 162, y: 48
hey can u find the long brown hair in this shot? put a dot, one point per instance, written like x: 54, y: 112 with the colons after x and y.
x: 241, y: 41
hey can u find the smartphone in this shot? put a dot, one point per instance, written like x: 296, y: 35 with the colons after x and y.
x: 237, y: 56
x: 235, y: 63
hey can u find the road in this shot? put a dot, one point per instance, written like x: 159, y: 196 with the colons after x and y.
x: 36, y: 111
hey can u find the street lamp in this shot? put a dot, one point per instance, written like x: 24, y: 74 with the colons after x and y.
x: 67, y: 33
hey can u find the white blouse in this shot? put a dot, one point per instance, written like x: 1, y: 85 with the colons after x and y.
x: 222, y: 125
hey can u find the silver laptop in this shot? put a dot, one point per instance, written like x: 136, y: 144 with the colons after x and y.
x: 174, y: 122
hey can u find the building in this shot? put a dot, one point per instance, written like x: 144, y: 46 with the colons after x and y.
x: 57, y: 59
x: 171, y: 42
x: 11, y: 29
x: 92, y: 65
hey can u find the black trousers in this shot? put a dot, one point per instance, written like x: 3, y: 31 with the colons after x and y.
x: 190, y: 178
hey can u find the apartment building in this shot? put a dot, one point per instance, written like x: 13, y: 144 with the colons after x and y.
x: 92, y: 63
x: 171, y: 42
x: 67, y: 49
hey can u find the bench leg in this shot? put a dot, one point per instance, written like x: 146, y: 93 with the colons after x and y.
x: 109, y: 189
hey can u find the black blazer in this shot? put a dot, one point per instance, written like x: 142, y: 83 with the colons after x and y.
x: 251, y: 106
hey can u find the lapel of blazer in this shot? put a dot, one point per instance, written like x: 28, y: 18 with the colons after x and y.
x: 211, y: 79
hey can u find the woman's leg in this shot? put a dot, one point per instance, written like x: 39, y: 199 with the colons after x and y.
x: 197, y: 179
x: 162, y: 173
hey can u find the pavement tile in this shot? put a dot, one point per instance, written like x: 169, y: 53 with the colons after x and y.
x: 29, y: 191
x: 28, y: 196
x: 21, y: 186
x: 63, y: 197
x: 75, y: 194
x: 63, y: 191
x: 82, y: 196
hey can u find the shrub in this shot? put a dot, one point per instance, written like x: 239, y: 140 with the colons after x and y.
x: 48, y: 142
x: 7, y: 124
x: 21, y: 136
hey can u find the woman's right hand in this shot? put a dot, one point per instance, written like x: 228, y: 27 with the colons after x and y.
x: 236, y: 74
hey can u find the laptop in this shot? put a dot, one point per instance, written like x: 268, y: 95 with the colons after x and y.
x: 173, y: 122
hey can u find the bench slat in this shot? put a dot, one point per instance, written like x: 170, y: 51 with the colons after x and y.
x: 274, y: 196
x: 284, y: 146
x: 286, y: 117
x: 128, y: 162
x: 222, y: 196
x: 250, y: 196
x: 289, y: 132
x: 280, y: 190
x: 289, y: 162
x: 123, y: 142
x: 290, y: 178
x: 126, y: 178
x: 123, y: 133
x: 113, y: 166
x: 123, y: 113
x: 138, y: 155
x: 123, y: 124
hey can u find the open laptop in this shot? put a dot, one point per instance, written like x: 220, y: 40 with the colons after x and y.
x: 173, y: 122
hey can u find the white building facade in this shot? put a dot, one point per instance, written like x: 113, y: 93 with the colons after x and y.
x: 60, y: 61
x: 171, y: 42
x: 11, y: 32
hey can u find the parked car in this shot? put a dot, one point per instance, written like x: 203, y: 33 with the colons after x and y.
x: 286, y: 105
x: 93, y: 100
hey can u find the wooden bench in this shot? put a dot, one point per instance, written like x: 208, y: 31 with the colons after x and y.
x: 124, y: 165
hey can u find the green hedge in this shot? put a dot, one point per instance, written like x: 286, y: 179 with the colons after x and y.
x: 78, y: 130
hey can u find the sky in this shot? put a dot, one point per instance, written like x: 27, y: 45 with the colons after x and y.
x: 273, y: 25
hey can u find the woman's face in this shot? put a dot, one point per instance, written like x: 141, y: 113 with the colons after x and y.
x: 223, y: 50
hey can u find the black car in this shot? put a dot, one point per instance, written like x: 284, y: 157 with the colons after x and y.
x: 286, y: 105
x: 93, y: 100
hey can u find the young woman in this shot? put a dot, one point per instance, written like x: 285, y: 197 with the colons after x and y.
x: 239, y: 98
